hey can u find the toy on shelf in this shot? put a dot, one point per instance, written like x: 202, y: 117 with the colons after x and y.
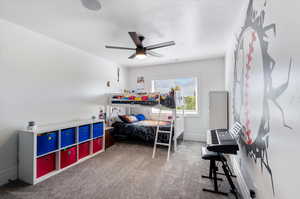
x: 136, y: 97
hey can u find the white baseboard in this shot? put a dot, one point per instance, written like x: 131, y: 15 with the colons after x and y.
x: 8, y: 174
x: 244, y: 189
x: 194, y: 137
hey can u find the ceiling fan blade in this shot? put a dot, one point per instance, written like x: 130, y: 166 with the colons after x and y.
x: 91, y: 4
x: 134, y: 36
x: 154, y: 54
x: 132, y: 56
x: 160, y: 45
x: 120, y: 48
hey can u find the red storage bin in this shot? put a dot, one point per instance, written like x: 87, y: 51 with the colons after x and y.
x: 84, y: 150
x: 97, y: 145
x: 68, y: 157
x: 45, y: 164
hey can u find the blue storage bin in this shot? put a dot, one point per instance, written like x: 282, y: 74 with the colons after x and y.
x: 84, y: 133
x: 47, y: 142
x: 98, y: 129
x: 68, y: 137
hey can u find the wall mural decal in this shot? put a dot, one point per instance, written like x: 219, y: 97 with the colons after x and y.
x: 253, y: 87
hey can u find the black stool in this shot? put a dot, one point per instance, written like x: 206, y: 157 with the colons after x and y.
x: 214, y: 157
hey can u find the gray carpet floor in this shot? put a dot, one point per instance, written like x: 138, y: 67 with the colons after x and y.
x: 126, y: 171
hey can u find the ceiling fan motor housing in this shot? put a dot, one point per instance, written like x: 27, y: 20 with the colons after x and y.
x: 140, y: 51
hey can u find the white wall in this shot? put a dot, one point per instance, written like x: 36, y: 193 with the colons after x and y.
x: 283, y: 150
x: 47, y: 81
x: 210, y: 75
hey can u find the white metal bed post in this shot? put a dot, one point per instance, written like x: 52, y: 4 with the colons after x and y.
x: 170, y: 140
x: 173, y: 128
x: 174, y: 113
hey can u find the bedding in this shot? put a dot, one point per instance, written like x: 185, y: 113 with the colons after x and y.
x: 143, y: 130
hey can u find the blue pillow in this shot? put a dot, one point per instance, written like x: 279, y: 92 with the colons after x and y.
x: 140, y: 117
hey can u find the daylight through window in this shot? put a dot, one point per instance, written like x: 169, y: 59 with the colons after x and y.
x: 188, y: 89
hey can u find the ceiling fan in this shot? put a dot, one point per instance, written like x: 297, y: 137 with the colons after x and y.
x: 141, y: 51
x: 91, y: 4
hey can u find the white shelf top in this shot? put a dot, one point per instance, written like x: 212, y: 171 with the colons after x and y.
x: 64, y: 125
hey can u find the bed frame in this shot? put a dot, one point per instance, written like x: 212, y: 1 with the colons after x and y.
x: 177, y: 119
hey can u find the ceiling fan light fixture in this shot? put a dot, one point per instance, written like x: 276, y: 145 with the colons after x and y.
x: 140, y: 56
x: 140, y: 53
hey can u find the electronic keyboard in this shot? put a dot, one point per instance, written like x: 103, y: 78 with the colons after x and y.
x: 221, y: 141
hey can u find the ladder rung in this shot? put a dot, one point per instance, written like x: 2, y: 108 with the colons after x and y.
x: 163, y: 144
x: 160, y: 131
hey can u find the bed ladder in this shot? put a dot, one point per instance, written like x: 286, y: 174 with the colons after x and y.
x: 159, y: 131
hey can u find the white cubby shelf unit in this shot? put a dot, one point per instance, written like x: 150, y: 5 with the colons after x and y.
x: 52, y: 149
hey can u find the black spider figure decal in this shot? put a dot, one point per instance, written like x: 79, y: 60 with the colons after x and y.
x: 253, y: 87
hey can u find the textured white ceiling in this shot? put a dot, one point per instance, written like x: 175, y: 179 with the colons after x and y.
x: 200, y: 28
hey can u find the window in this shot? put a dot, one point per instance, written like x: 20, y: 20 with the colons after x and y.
x: 188, y: 88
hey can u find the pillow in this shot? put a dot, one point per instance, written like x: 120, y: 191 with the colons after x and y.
x: 128, y: 118
x: 140, y: 117
x: 131, y: 119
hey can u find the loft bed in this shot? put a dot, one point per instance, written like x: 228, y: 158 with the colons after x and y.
x: 145, y: 129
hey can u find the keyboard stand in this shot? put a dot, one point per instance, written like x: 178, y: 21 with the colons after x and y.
x: 228, y: 174
x: 213, y: 169
x: 213, y: 172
